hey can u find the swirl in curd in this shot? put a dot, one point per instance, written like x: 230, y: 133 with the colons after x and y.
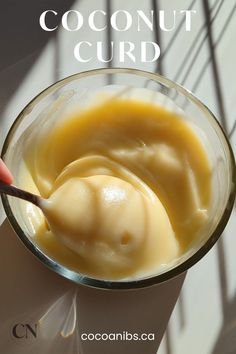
x: 128, y: 188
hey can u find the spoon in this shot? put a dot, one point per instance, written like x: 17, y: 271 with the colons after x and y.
x: 9, y: 189
x: 43, y: 204
x: 105, y: 220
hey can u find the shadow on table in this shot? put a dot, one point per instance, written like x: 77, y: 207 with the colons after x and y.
x: 226, y: 342
x: 62, y: 310
x: 22, y: 40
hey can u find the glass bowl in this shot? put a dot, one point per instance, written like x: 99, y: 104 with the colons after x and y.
x: 80, y: 89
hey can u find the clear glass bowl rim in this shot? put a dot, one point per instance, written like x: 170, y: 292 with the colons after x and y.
x: 122, y: 284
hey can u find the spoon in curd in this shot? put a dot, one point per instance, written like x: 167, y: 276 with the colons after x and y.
x: 106, y: 221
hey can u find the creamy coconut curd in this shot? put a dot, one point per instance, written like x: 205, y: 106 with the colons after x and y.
x: 128, y: 188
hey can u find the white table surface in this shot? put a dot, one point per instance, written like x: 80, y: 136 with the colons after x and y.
x: 204, y: 318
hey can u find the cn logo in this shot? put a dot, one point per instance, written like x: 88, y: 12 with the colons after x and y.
x: 25, y: 331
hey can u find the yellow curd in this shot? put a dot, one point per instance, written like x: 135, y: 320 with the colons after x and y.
x: 128, y: 186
